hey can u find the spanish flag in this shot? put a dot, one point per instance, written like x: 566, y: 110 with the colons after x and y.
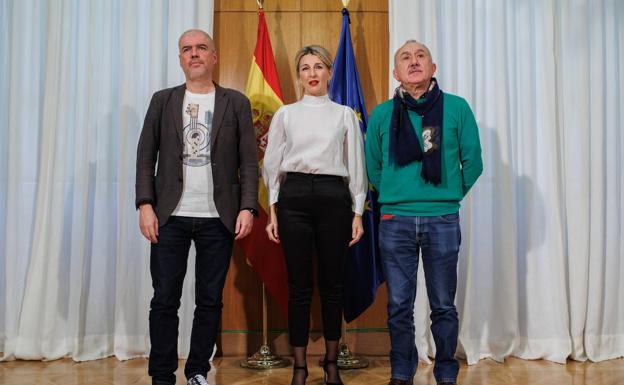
x: 265, y: 95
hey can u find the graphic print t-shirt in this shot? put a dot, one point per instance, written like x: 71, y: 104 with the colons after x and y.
x: 197, y: 195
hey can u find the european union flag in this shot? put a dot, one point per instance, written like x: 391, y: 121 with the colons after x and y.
x: 364, y: 274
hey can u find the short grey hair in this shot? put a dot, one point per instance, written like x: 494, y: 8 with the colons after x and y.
x: 196, y: 30
x: 410, y: 41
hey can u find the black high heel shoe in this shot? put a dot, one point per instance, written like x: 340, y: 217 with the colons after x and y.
x: 304, y: 368
x: 326, y: 363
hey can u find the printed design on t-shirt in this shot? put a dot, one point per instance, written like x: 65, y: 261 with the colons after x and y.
x: 197, y: 137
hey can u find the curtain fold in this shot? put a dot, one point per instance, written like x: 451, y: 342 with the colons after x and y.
x: 540, y: 268
x: 77, y: 78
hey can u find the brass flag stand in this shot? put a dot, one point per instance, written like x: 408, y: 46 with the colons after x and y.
x: 346, y: 360
x: 264, y: 359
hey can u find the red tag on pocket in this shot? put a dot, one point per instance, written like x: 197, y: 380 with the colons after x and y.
x: 387, y: 216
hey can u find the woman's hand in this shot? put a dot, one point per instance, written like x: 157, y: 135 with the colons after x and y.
x: 356, y: 229
x: 271, y: 227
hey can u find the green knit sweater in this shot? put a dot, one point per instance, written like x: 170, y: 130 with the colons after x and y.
x: 402, y: 191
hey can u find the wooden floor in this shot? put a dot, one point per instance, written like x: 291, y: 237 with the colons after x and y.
x: 227, y: 371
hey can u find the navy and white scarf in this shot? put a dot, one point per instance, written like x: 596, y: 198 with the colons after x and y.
x: 405, y: 147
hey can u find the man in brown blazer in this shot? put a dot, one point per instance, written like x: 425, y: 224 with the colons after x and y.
x: 200, y: 139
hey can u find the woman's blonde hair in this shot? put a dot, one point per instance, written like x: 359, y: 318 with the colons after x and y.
x: 317, y: 51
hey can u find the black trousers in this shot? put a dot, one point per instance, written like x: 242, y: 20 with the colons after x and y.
x: 213, y: 244
x: 314, y: 218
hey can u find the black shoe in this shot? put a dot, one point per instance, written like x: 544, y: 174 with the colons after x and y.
x: 395, y: 381
x: 447, y: 383
x: 326, y: 363
x: 304, y: 368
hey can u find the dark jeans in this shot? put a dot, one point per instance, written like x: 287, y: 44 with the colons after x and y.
x: 213, y: 244
x: 314, y: 217
x: 401, y: 239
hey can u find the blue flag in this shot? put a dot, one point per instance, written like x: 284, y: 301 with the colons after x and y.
x: 364, y: 274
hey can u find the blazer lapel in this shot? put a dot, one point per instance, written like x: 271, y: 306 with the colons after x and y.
x: 177, y: 98
x: 221, y: 101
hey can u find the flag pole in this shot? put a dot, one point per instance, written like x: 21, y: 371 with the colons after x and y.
x: 264, y: 358
x: 346, y: 360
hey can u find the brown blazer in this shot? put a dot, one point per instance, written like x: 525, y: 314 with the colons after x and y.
x: 233, y: 151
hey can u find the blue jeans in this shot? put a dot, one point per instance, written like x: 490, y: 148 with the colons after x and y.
x: 213, y: 245
x: 401, y: 239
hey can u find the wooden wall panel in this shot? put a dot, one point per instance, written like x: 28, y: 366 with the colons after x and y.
x: 292, y: 24
x: 252, y: 5
x: 354, y: 5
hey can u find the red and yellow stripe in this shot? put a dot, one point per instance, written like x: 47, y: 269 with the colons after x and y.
x: 265, y: 95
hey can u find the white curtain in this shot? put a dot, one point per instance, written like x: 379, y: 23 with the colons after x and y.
x: 76, y: 79
x: 541, y: 270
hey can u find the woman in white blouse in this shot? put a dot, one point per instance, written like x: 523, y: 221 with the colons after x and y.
x: 316, y: 180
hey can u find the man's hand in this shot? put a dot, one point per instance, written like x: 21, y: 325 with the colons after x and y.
x: 271, y: 227
x: 356, y: 229
x: 148, y: 222
x: 244, y: 224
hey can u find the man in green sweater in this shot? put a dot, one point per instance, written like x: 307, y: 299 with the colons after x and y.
x: 423, y: 155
